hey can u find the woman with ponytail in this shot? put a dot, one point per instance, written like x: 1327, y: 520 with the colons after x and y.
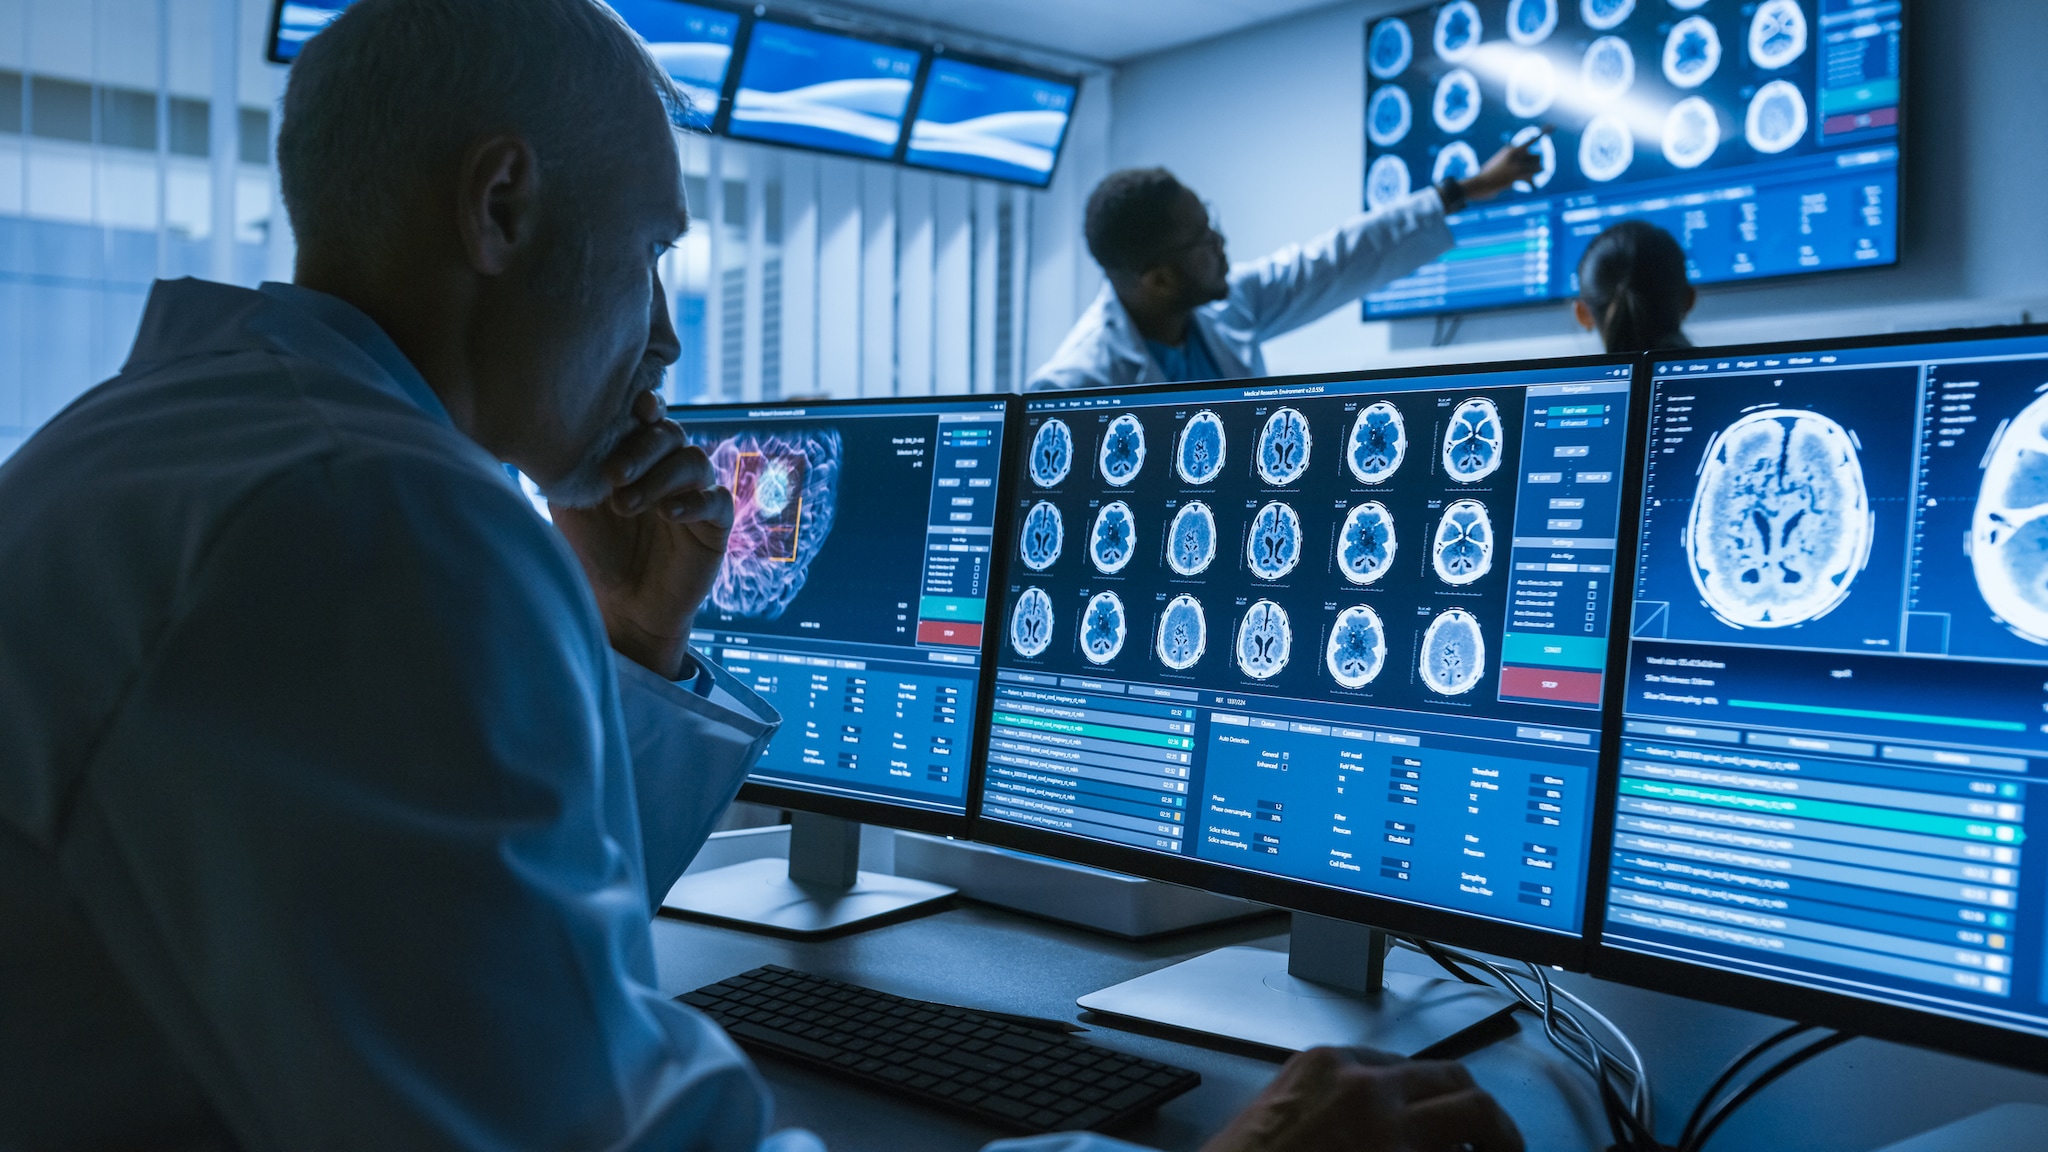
x: 1633, y: 289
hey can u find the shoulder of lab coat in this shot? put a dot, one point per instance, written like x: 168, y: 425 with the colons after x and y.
x: 1302, y: 283
x: 1102, y: 350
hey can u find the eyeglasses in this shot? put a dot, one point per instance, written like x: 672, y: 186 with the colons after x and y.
x: 1213, y: 234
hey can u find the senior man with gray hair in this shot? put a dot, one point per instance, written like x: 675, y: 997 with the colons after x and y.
x: 338, y: 786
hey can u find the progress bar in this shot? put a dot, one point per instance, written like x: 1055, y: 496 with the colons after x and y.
x: 1866, y: 714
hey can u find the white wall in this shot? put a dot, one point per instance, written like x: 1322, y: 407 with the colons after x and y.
x: 1268, y: 126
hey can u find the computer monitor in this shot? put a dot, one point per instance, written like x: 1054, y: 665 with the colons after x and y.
x: 1833, y: 742
x: 692, y: 42
x: 808, y: 87
x: 293, y: 22
x: 983, y: 118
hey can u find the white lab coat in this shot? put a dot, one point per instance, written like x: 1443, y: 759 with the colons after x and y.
x: 327, y: 817
x: 1298, y: 284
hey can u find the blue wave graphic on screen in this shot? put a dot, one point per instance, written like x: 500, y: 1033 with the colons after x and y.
x: 299, y: 22
x: 699, y: 70
x: 824, y: 91
x: 988, y: 122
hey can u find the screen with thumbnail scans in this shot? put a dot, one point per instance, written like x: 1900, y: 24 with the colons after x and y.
x: 1352, y: 633
x: 1835, y: 736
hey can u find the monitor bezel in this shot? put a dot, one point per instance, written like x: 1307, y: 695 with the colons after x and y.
x: 883, y: 813
x: 722, y: 126
x: 938, y: 53
x: 1921, y: 1027
x: 1461, y: 929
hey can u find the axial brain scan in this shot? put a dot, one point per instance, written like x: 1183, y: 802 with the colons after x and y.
x: 1777, y: 117
x: 1777, y: 33
x: 1692, y: 52
x: 1391, y: 49
x: 1379, y: 442
x: 1386, y: 181
x: 1284, y: 447
x: 1273, y: 546
x: 1456, y: 104
x: 1472, y: 443
x: 2009, y: 529
x: 1183, y: 633
x: 1463, y: 549
x: 1103, y: 628
x: 1123, y: 450
x: 1389, y: 116
x: 1358, y: 647
x: 1532, y: 85
x: 1264, y: 639
x: 1691, y: 133
x: 784, y: 488
x: 1202, y: 447
x: 1453, y: 653
x: 1601, y: 15
x: 1606, y: 148
x: 1191, y: 539
x: 1458, y: 31
x: 1365, y: 545
x: 1531, y: 21
x: 1042, y: 537
x: 1052, y: 453
x: 1608, y: 69
x: 1031, y: 623
x: 1781, y: 522
x: 1546, y: 154
x: 1455, y: 162
x: 1111, y: 543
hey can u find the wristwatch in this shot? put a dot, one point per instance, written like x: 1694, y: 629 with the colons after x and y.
x: 1452, y: 193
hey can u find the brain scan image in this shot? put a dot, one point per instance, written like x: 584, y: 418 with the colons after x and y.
x: 1043, y: 534
x: 1052, y: 453
x: 1777, y: 117
x: 1546, y: 153
x: 1273, y: 546
x: 1458, y: 31
x: 1455, y: 162
x: 1031, y: 623
x: 2009, y: 529
x: 1453, y: 653
x: 1366, y: 544
x: 1781, y: 523
x: 1388, y: 116
x: 1183, y: 633
x: 1691, y: 133
x: 1462, y: 551
x: 1532, y: 85
x: 1379, y: 442
x: 1457, y: 101
x: 1606, y: 148
x: 1472, y: 444
x: 1199, y: 456
x: 1358, y: 647
x: 1123, y: 450
x: 1601, y: 15
x: 1531, y: 21
x: 1390, y: 49
x: 1191, y: 539
x: 1688, y: 5
x: 1777, y: 33
x: 785, y: 487
x: 1608, y: 69
x: 1691, y: 52
x: 1284, y: 445
x: 1386, y: 182
x: 1113, y: 538
x: 1264, y: 639
x: 1103, y: 627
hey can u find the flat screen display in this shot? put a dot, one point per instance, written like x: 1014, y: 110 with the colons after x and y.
x: 818, y: 89
x: 853, y: 587
x: 1348, y: 633
x: 1834, y: 752
x: 1763, y: 135
x: 692, y: 42
x: 995, y: 122
x: 292, y: 23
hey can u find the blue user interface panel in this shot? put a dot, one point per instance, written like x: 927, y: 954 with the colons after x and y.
x: 1835, y: 741
x: 994, y: 122
x: 692, y: 42
x: 818, y: 89
x: 293, y: 23
x: 1346, y: 633
x: 852, y: 590
x: 1763, y: 135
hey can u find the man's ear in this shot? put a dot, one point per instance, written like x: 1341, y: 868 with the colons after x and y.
x: 1584, y: 314
x: 1160, y: 282
x: 497, y: 206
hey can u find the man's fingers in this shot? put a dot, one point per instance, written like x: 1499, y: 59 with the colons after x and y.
x: 641, y: 449
x: 681, y: 469
x: 1423, y: 1079
x: 700, y: 506
x: 1470, y: 1118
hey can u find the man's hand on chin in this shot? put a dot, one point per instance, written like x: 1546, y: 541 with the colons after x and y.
x: 652, y: 548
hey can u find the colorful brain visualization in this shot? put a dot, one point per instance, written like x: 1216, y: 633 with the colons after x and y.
x: 1123, y: 450
x: 1183, y: 633
x: 1358, y: 647
x: 1365, y: 544
x: 1472, y: 443
x: 1273, y: 546
x: 1462, y: 551
x: 1031, y: 623
x: 1103, y: 627
x: 1052, y: 453
x: 1453, y: 653
x: 1264, y: 639
x: 1199, y: 457
x: 1113, y: 539
x: 785, y: 490
x: 1379, y: 442
x: 1191, y: 539
x: 2009, y: 529
x: 1284, y: 445
x: 1781, y: 522
x: 1043, y: 534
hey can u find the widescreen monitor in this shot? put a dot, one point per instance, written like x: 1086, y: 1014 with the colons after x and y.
x: 1333, y: 643
x: 990, y: 120
x: 1834, y: 738
x: 853, y: 592
x: 293, y: 22
x: 811, y: 88
x: 692, y: 42
x: 1763, y: 134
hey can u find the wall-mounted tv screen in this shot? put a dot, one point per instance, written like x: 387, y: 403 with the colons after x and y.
x: 827, y: 90
x: 293, y: 22
x: 692, y: 42
x: 999, y: 122
x: 1763, y: 134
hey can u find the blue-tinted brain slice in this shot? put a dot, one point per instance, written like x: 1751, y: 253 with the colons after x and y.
x: 1365, y: 545
x: 1043, y: 535
x: 1123, y: 450
x: 1692, y: 130
x: 1777, y: 33
x: 1103, y: 627
x: 1463, y: 549
x: 1606, y: 148
x: 1183, y: 633
x: 1388, y: 116
x: 1472, y: 443
x: 1379, y: 442
x: 1777, y: 117
x: 1031, y: 623
x: 1457, y: 101
x: 1052, y: 453
x: 1358, y: 647
x: 1531, y: 21
x: 1781, y: 523
x: 1691, y: 52
x: 1601, y: 15
x: 1390, y: 49
x: 1453, y: 653
x: 1532, y: 85
x: 1264, y: 638
x: 1284, y: 446
x: 1114, y: 537
x: 2009, y: 530
x: 785, y: 489
x: 1191, y: 539
x: 1546, y: 155
x: 1455, y: 162
x: 1202, y: 447
x: 1273, y: 546
x: 1386, y: 181
x: 1608, y: 69
x: 1458, y: 31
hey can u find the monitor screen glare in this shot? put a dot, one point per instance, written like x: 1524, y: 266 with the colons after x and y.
x: 823, y: 90
x: 296, y: 23
x: 693, y: 44
x: 984, y: 121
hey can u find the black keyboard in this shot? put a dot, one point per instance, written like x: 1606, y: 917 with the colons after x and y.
x: 952, y: 1058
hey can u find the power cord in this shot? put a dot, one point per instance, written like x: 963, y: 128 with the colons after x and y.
x: 1761, y: 1081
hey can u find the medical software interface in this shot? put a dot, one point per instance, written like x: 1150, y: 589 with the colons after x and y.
x: 1763, y: 134
x: 1346, y: 633
x: 985, y: 121
x: 819, y: 89
x: 852, y: 589
x: 1836, y: 728
x: 692, y: 42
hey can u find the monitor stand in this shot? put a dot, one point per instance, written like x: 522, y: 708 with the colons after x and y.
x: 820, y: 890
x: 1331, y: 987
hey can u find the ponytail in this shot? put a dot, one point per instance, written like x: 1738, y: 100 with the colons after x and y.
x: 1633, y: 280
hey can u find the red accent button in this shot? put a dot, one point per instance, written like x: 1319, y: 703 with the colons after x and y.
x: 1550, y: 684
x: 949, y: 632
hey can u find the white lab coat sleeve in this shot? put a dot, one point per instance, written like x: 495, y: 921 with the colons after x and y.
x: 1302, y: 283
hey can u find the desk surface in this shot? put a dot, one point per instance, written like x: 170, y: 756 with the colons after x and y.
x: 1862, y: 1096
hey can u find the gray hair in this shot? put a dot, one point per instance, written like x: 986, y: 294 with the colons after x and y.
x: 384, y: 100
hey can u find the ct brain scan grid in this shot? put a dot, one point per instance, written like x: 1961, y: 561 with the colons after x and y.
x: 1351, y: 632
